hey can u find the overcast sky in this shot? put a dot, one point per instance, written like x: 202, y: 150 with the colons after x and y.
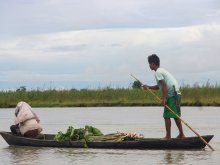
x: 91, y: 43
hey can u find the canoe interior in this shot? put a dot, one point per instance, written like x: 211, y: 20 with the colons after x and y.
x: 47, y: 140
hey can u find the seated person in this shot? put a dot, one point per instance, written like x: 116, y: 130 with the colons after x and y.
x: 26, y: 121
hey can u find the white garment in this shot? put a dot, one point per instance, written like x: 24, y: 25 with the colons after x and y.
x: 26, y: 118
x: 170, y: 81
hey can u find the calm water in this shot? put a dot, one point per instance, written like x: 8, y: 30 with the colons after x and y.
x: 145, y: 120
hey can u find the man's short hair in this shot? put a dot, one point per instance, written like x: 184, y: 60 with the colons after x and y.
x: 154, y: 59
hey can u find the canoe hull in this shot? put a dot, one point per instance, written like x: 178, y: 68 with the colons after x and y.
x: 146, y: 143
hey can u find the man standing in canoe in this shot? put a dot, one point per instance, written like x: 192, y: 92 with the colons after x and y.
x: 171, y: 95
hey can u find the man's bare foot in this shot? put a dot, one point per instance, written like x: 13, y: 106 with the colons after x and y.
x: 181, y: 137
x: 166, y: 138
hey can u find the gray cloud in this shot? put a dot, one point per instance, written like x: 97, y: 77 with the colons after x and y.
x: 63, y: 49
x: 43, y: 16
x: 105, y: 41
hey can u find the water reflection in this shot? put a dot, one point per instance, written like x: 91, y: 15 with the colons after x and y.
x: 171, y: 157
x: 82, y: 155
x: 186, y: 157
x: 23, y: 155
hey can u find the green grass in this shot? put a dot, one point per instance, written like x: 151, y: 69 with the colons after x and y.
x: 201, y: 96
x: 191, y: 96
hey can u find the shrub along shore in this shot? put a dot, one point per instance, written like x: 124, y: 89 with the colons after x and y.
x: 191, y: 96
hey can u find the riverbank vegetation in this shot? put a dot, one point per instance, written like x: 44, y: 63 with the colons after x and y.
x: 207, y: 95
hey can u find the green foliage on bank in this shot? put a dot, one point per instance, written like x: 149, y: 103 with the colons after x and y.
x: 205, y: 95
x: 191, y: 96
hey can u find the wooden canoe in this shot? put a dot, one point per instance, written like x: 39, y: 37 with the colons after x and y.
x: 47, y: 140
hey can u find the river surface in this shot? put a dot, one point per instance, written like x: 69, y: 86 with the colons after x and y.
x: 143, y: 120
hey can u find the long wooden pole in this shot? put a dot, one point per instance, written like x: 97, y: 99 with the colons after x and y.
x: 159, y: 100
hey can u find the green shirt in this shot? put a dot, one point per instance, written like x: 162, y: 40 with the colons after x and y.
x: 170, y: 81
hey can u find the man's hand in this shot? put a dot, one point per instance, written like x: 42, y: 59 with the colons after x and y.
x: 164, y: 101
x: 146, y: 87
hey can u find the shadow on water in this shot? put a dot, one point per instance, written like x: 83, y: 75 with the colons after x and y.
x: 43, y: 155
x: 88, y: 155
x: 172, y: 157
x: 185, y: 157
x: 22, y: 155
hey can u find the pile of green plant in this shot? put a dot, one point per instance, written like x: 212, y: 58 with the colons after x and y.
x: 116, y: 137
x: 91, y: 134
x: 78, y: 134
